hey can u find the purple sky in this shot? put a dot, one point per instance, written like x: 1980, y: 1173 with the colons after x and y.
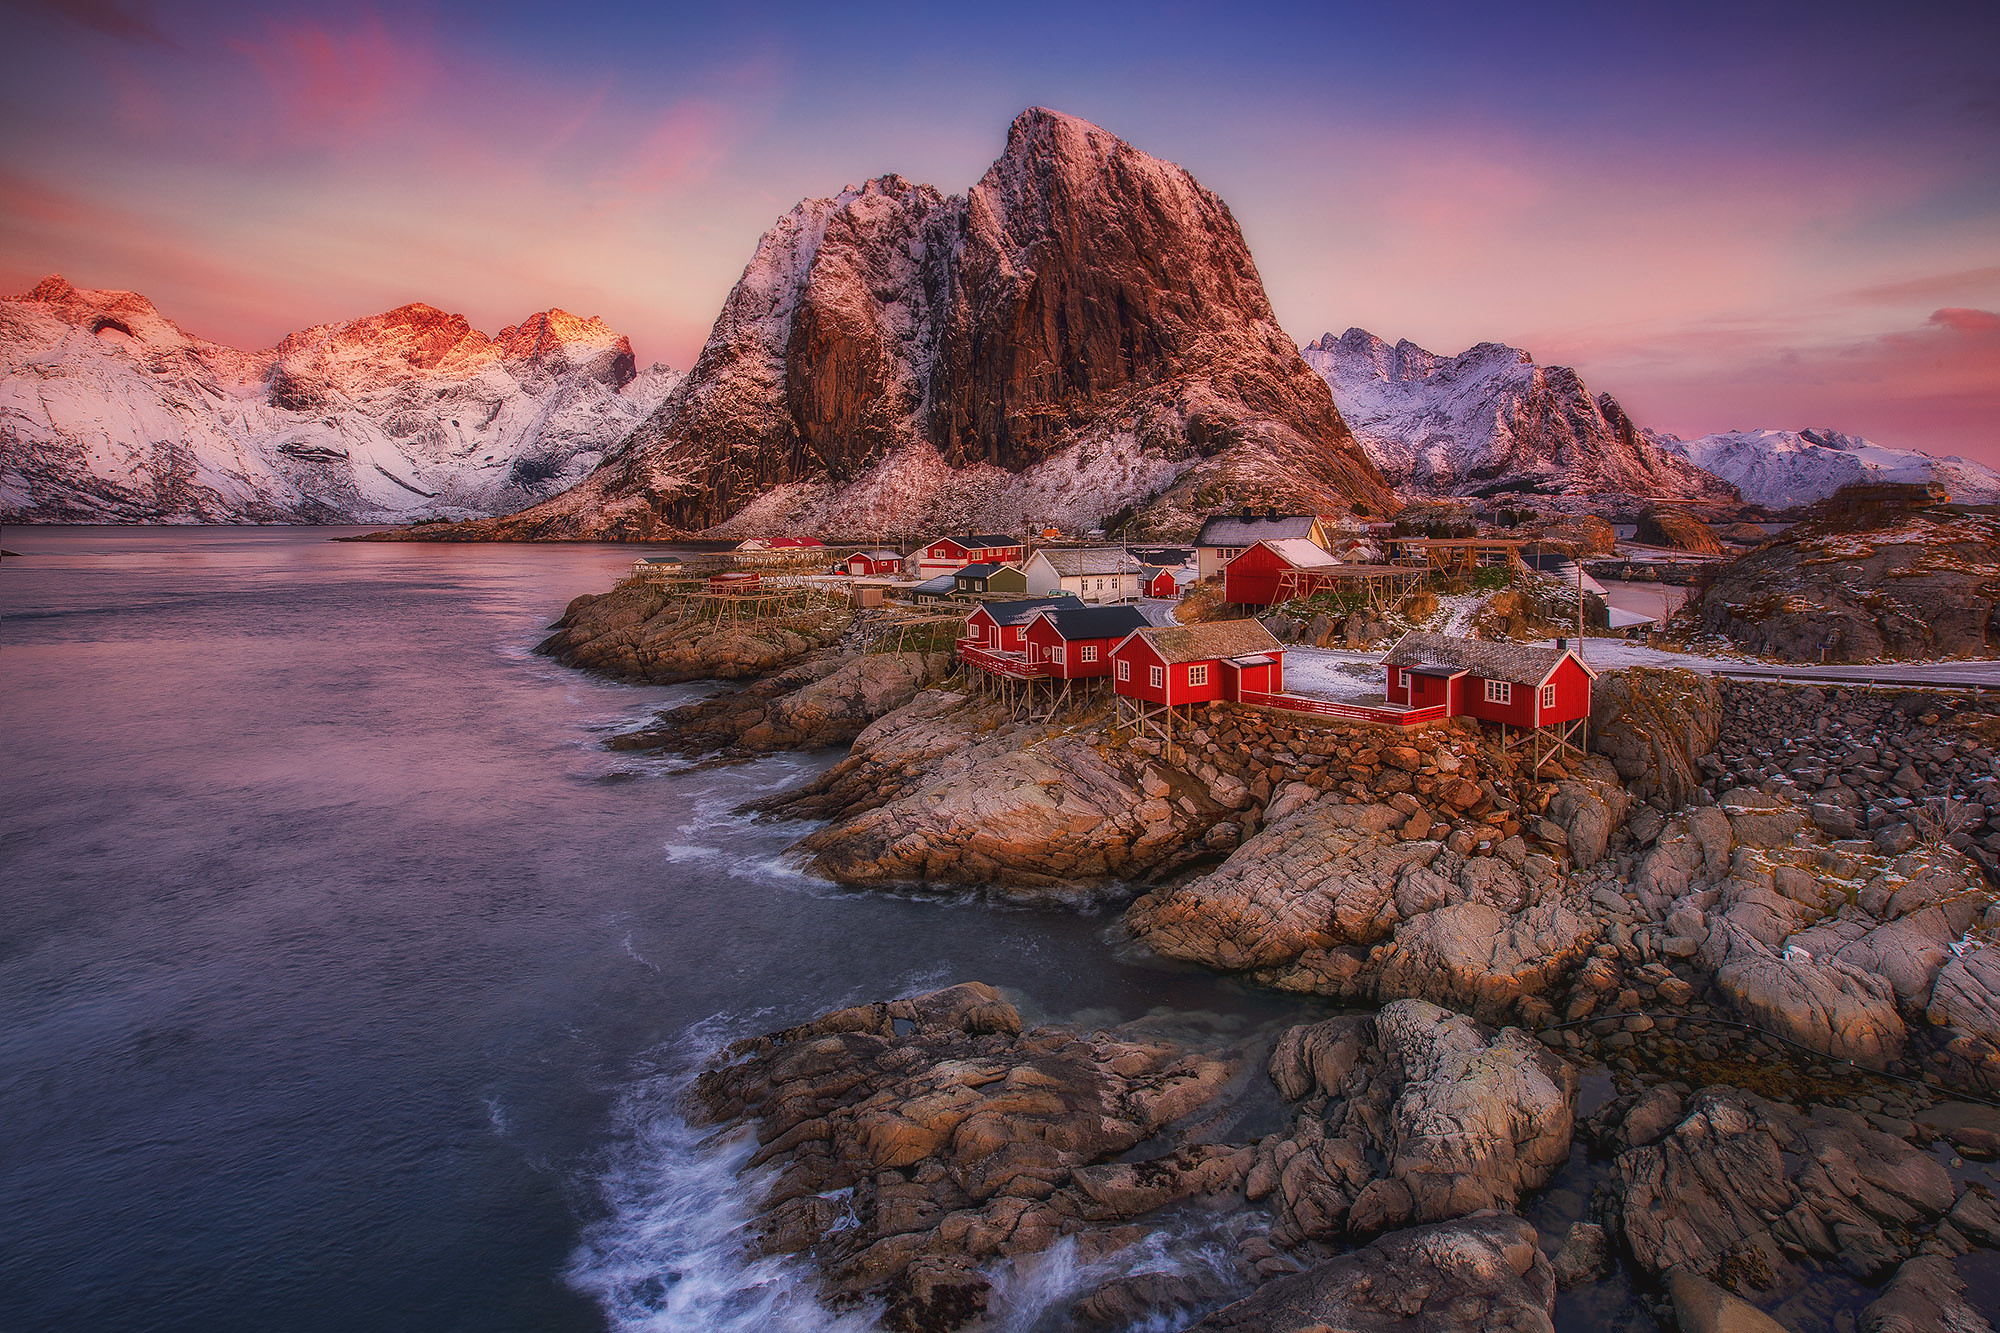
x: 1784, y: 218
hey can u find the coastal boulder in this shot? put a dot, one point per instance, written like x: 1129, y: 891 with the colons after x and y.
x: 1476, y: 1275
x: 1655, y: 726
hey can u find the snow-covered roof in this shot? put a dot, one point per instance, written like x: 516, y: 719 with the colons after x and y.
x: 1298, y: 552
x: 1242, y: 530
x: 1521, y: 663
x: 1021, y: 610
x: 1211, y: 640
x: 879, y: 553
x: 1095, y: 560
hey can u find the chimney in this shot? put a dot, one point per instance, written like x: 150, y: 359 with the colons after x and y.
x: 1562, y: 645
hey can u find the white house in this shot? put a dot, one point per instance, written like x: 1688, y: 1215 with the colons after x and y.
x: 1226, y: 536
x: 1099, y: 574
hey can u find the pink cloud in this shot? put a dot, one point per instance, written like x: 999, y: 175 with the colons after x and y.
x: 1934, y: 387
x: 683, y: 146
x: 330, y: 84
x: 1967, y: 321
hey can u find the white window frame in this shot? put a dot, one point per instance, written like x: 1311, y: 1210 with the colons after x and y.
x: 1548, y: 696
x: 1089, y: 651
x: 1500, y: 691
x: 1198, y: 674
x: 1124, y: 670
x: 1058, y: 658
x: 1156, y: 677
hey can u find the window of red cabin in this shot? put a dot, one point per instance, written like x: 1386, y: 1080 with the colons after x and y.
x: 1548, y: 696
x: 1198, y: 675
x: 1124, y: 671
x: 1089, y: 652
x: 1499, y: 692
x: 1156, y: 676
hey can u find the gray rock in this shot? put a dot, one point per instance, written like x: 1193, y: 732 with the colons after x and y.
x: 1476, y: 1275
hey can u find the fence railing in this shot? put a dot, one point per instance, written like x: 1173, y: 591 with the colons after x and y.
x: 1387, y: 716
x: 1002, y: 664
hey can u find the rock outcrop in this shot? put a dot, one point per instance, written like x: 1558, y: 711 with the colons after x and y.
x: 1677, y: 530
x: 640, y: 633
x: 1478, y: 1275
x: 1083, y: 330
x: 918, y: 1139
x: 110, y: 413
x: 1656, y: 726
x: 1743, y: 1188
x: 1414, y: 1115
x: 1361, y: 900
x: 1896, y: 585
x: 825, y: 700
x: 1832, y: 946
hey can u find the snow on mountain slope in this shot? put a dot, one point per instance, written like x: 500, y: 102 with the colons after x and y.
x: 1783, y: 468
x: 110, y: 413
x: 1490, y: 420
x: 1081, y: 331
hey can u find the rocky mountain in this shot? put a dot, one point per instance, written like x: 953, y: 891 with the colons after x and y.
x: 109, y: 412
x: 1490, y: 420
x: 1783, y: 468
x: 1083, y: 330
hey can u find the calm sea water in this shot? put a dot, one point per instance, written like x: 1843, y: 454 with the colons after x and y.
x: 347, y: 982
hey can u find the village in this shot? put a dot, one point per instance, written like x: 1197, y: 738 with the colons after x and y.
x: 1046, y: 626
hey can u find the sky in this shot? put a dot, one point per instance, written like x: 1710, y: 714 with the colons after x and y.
x: 1729, y: 216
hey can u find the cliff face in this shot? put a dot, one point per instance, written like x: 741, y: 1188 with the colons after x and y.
x: 1490, y: 420
x: 1083, y: 330
x: 109, y: 412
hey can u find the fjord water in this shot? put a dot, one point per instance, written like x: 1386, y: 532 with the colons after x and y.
x: 346, y: 981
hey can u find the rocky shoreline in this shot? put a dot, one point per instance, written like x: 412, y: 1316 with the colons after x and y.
x: 1732, y: 922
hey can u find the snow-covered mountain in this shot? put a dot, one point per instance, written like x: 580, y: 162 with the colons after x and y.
x: 110, y: 413
x: 1081, y: 331
x: 1490, y: 420
x: 1783, y: 468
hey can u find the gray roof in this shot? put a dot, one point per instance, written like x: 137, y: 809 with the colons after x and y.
x: 976, y: 572
x: 1236, y: 530
x: 878, y: 553
x: 1094, y: 560
x: 1212, y: 639
x: 941, y: 586
x: 1521, y: 663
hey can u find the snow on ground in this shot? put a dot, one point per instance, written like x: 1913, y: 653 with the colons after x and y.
x: 1325, y: 670
x: 1325, y: 673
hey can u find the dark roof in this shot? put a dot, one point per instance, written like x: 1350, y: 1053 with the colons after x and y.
x: 1521, y: 663
x: 1212, y: 639
x: 1162, y: 555
x: 1094, y: 622
x: 941, y: 586
x: 1021, y: 610
x: 976, y: 572
x: 978, y: 540
x: 1236, y: 530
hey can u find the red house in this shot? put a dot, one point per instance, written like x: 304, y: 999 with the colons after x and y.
x: 874, y: 564
x: 998, y: 626
x: 1276, y: 570
x: 1158, y: 582
x: 946, y: 555
x: 795, y: 543
x: 1190, y: 664
x: 1519, y: 684
x: 1075, y: 642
